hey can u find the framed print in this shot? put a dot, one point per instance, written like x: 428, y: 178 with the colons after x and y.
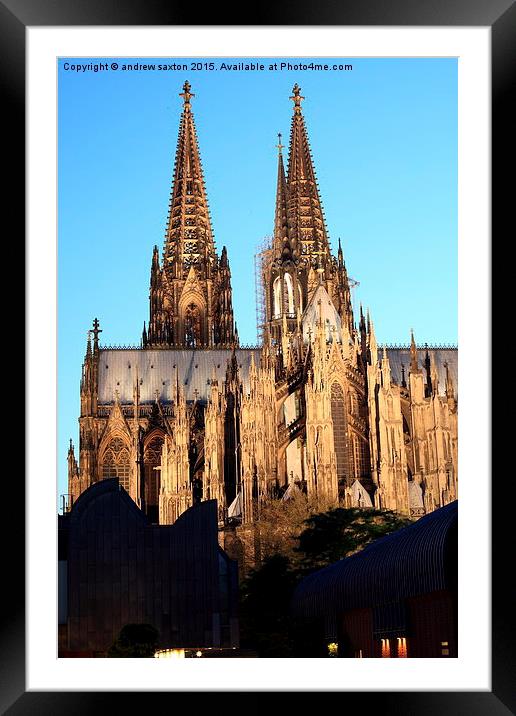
x: 93, y: 137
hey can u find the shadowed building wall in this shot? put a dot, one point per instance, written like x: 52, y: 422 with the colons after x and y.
x: 122, y: 570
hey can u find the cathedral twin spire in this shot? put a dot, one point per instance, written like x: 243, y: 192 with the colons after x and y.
x: 282, y: 245
x: 189, y: 237
x: 301, y: 258
x: 306, y: 230
x: 190, y: 294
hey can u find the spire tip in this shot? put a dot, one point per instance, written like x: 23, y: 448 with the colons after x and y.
x: 186, y: 94
x: 297, y: 98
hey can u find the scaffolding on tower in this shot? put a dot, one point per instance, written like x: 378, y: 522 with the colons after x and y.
x: 262, y: 253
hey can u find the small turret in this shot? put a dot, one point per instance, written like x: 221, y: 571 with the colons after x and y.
x: 96, y: 330
x: 429, y: 389
x: 373, y: 346
x: 386, y: 369
x: 224, y: 258
x: 414, y: 365
x: 450, y: 392
x: 340, y: 257
x: 72, y: 462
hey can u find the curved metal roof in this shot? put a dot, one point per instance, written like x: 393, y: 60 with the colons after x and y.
x: 417, y: 559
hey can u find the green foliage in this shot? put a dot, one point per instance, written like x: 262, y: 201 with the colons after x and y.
x: 340, y: 532
x: 135, y: 640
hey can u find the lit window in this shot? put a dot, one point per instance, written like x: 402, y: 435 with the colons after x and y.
x: 445, y: 651
x: 386, y: 648
x: 289, y: 295
x: 333, y: 649
x: 170, y: 654
x: 402, y: 647
x: 277, y: 297
x: 151, y: 460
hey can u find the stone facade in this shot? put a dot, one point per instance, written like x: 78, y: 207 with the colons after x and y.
x: 190, y: 415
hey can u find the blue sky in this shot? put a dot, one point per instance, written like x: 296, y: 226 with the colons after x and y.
x: 384, y: 143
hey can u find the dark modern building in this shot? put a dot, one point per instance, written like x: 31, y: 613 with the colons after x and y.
x: 116, y: 568
x: 395, y: 598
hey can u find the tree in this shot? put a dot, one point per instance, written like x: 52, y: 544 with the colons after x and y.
x: 339, y: 533
x: 281, y: 522
x: 135, y: 640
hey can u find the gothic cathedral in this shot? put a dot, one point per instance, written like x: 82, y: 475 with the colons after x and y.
x: 317, y: 407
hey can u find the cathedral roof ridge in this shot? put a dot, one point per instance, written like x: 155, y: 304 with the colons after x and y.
x: 160, y: 347
x: 423, y: 348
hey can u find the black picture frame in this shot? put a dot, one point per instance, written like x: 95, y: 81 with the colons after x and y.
x: 15, y: 17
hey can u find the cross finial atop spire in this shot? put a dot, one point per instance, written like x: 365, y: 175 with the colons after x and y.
x: 186, y: 94
x: 297, y: 98
x: 279, y: 145
x: 96, y: 330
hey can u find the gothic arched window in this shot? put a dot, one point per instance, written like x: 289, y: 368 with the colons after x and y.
x: 151, y: 460
x: 339, y: 429
x: 192, y: 326
x: 276, y: 289
x: 360, y: 456
x: 116, y: 462
x: 289, y: 295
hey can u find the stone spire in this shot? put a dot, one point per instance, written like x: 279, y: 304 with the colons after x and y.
x: 282, y: 246
x: 224, y: 323
x: 373, y: 345
x: 72, y: 462
x: 414, y: 365
x: 189, y: 238
x: 429, y: 388
x: 158, y: 325
x: 89, y: 377
x: 450, y: 393
x: 305, y: 214
x: 340, y: 256
x: 190, y: 293
x: 386, y: 368
x: 343, y: 292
